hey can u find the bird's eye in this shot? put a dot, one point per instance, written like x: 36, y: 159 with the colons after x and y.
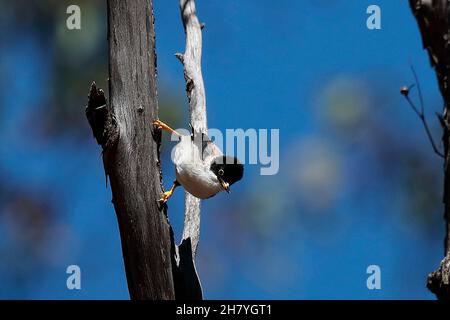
x: 221, y: 172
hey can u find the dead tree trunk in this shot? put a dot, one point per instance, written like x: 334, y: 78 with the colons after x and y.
x: 131, y: 148
x: 433, y: 18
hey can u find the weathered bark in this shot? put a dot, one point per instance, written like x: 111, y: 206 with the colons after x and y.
x: 195, y: 90
x: 131, y: 149
x: 433, y: 18
x: 187, y: 283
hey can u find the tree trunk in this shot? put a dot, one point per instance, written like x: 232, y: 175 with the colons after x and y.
x: 131, y: 149
x: 433, y: 18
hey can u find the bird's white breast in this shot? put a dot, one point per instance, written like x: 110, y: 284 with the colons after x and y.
x: 194, y: 175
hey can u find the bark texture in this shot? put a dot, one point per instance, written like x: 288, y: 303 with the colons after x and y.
x: 131, y: 149
x: 433, y: 18
x: 187, y: 283
x: 195, y: 90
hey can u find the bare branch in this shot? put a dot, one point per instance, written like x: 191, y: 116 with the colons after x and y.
x: 420, y: 113
x: 187, y: 283
x: 195, y: 90
x: 419, y: 90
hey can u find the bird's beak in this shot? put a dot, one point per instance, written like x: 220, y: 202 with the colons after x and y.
x: 225, y: 185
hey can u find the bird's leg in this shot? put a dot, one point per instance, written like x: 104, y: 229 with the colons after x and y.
x: 166, y: 195
x: 161, y: 125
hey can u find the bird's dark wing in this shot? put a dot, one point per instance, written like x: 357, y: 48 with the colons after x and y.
x: 209, y: 149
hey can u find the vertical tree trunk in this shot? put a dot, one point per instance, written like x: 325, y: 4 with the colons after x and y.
x: 433, y: 18
x: 131, y: 148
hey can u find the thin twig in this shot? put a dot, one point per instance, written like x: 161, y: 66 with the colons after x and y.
x: 420, y: 113
x: 419, y: 90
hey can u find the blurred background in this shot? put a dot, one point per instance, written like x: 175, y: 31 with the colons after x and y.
x: 358, y: 182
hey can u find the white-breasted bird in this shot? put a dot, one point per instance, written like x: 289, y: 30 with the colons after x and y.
x: 200, y: 167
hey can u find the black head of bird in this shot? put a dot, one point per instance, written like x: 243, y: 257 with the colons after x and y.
x: 228, y: 170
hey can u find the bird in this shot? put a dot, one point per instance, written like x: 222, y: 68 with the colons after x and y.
x: 200, y: 166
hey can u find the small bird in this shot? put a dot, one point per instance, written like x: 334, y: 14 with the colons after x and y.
x: 200, y: 167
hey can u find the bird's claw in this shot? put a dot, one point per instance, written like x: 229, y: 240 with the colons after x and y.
x: 158, y: 124
x: 165, y: 196
x: 162, y: 126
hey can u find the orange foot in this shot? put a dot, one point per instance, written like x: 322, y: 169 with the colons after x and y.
x: 166, y: 195
x: 161, y: 125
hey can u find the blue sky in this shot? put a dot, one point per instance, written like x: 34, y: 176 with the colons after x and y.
x: 340, y: 202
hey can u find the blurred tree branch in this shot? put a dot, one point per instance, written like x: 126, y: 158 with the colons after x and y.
x: 433, y: 18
